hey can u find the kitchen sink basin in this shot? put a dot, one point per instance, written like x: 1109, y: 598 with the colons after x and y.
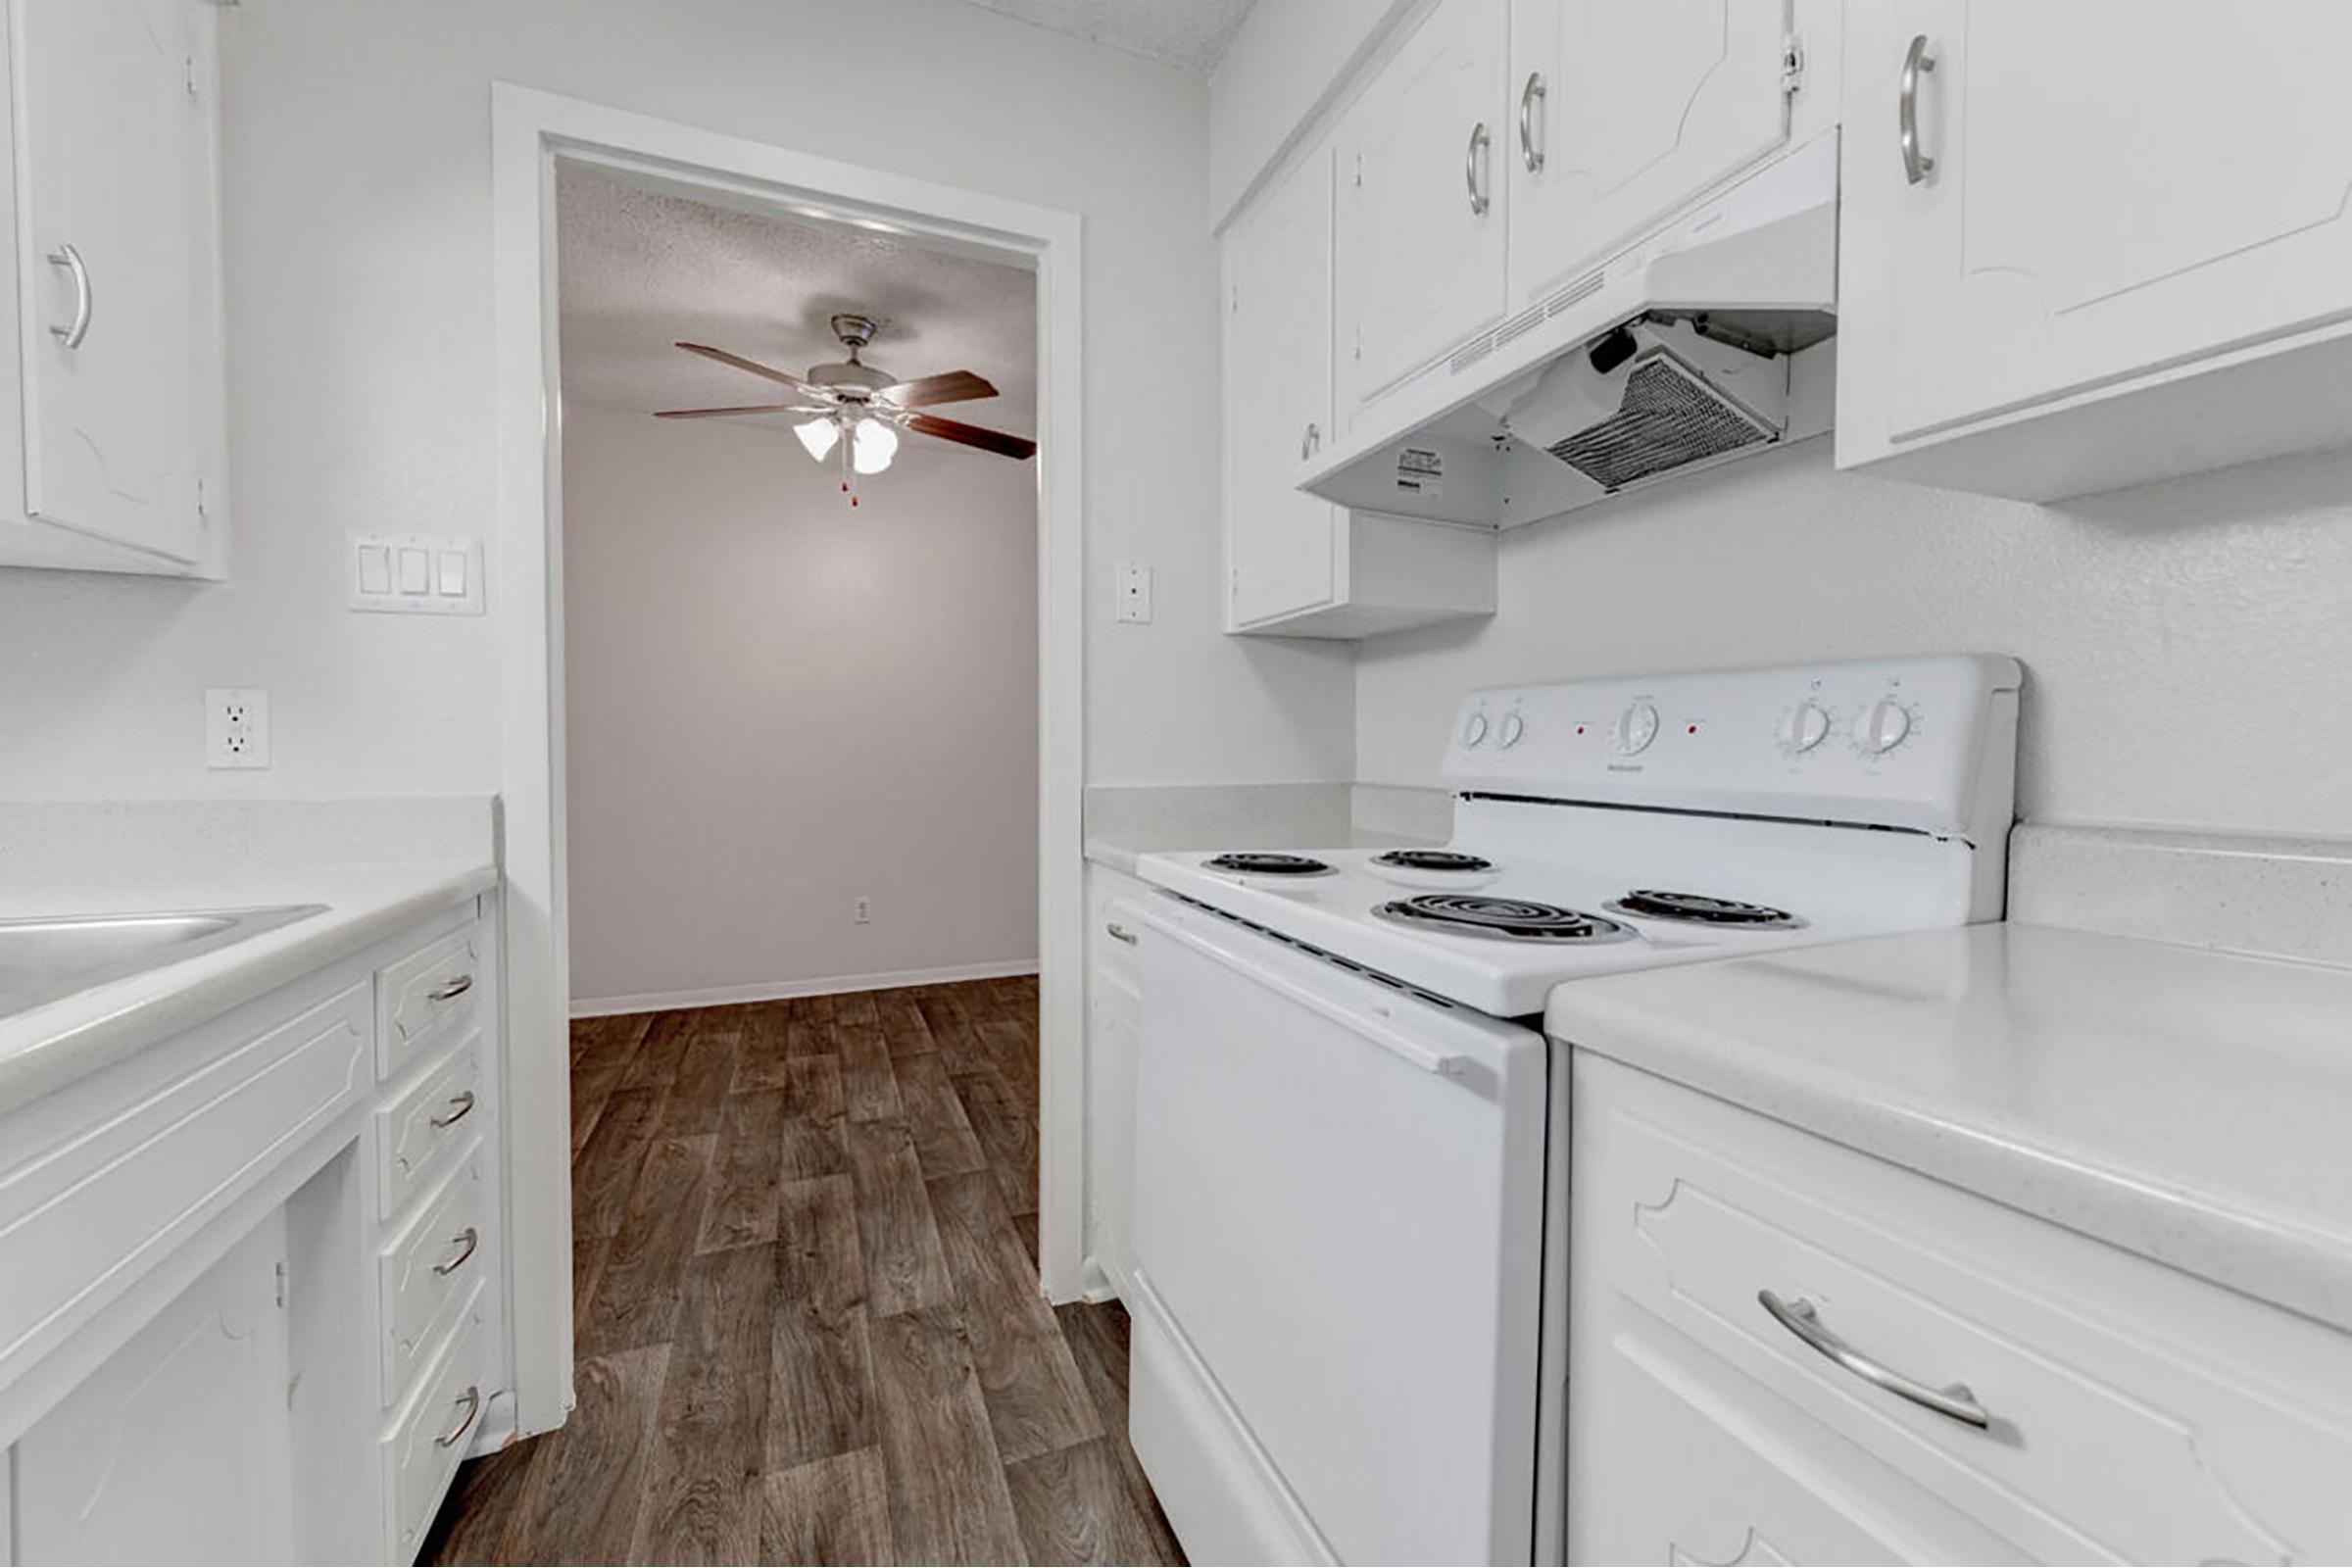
x: 44, y: 959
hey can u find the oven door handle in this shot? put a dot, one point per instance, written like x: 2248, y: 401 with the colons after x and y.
x: 1377, y: 1030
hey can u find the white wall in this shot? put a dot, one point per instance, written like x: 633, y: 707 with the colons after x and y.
x: 2186, y: 645
x: 778, y: 704
x: 360, y: 359
x: 1287, y: 59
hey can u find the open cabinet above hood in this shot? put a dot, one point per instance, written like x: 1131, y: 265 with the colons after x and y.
x: 1701, y: 342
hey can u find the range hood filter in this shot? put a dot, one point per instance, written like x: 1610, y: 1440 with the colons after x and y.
x: 1668, y: 418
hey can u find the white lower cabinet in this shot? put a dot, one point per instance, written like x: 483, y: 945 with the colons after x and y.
x: 430, y: 1435
x: 180, y: 1449
x: 2008, y: 1391
x: 307, y: 1395
x: 1114, y: 1013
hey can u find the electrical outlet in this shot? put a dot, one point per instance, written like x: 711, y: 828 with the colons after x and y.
x: 1131, y: 589
x: 863, y: 913
x: 237, y: 727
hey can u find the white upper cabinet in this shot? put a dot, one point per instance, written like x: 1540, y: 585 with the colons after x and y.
x: 1421, y: 226
x: 117, y: 257
x: 1278, y: 397
x: 1297, y: 565
x: 2051, y: 210
x: 1626, y: 110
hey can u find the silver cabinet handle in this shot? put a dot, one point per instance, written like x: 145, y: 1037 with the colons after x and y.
x: 472, y: 1399
x: 1120, y: 933
x: 1529, y: 96
x: 465, y: 1242
x: 1479, y: 143
x: 1917, y: 165
x: 1309, y: 439
x: 71, y: 336
x: 1953, y: 1401
x: 453, y: 989
x: 464, y: 1100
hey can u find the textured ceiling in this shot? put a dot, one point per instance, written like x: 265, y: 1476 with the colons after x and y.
x: 1187, y: 33
x: 640, y: 271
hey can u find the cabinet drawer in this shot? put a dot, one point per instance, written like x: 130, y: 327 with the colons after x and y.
x: 433, y: 988
x: 428, y: 1271
x: 2120, y: 1420
x: 83, y: 1217
x: 433, y: 1432
x: 418, y: 1133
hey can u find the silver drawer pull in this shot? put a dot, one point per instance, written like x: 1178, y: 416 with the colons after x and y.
x: 464, y: 1100
x: 452, y: 990
x: 1120, y: 933
x: 472, y: 1399
x: 1953, y: 1400
x: 466, y: 1241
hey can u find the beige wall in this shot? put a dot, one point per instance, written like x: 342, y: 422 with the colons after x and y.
x: 777, y: 704
x: 357, y: 225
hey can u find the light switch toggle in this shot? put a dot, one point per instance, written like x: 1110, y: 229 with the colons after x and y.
x: 418, y: 574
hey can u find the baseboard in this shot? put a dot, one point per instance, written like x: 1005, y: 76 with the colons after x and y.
x: 782, y: 989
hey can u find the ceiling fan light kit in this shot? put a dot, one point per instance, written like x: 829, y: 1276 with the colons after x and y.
x: 860, y: 409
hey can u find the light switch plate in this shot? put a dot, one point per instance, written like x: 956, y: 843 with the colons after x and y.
x: 1130, y: 590
x: 413, y: 573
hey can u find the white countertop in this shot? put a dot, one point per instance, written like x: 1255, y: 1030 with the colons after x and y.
x: 48, y: 1047
x: 2193, y: 1106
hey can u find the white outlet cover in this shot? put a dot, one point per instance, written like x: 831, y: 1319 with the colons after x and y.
x: 236, y: 726
x: 413, y: 573
x: 1131, y: 589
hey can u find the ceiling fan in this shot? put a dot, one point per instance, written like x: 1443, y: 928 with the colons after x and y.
x: 859, y: 410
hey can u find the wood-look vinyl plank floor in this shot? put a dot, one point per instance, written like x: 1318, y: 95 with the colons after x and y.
x: 807, y: 1308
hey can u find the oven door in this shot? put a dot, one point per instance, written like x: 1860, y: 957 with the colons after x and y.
x: 1338, y: 1236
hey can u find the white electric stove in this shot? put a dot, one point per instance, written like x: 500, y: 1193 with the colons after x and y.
x: 1349, y: 1177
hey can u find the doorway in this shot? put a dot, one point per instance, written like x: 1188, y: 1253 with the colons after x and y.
x: 537, y: 136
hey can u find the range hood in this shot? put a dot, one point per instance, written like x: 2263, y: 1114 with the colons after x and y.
x: 1703, y: 341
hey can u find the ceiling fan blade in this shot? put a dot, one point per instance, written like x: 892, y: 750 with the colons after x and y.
x: 949, y: 386
x: 784, y: 377
x: 749, y: 408
x: 972, y: 435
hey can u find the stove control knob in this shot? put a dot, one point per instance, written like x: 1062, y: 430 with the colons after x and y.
x: 1474, y: 729
x: 1885, y: 726
x: 1637, y: 727
x: 1513, y: 728
x: 1803, y: 727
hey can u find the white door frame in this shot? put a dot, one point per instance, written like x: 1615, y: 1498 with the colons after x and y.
x: 531, y: 130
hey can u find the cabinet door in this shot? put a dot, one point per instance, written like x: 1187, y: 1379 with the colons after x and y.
x: 2116, y: 189
x: 116, y: 259
x: 1627, y: 110
x: 1278, y: 539
x: 178, y: 1448
x: 1421, y: 219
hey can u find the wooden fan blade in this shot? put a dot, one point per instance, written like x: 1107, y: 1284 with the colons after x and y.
x: 785, y: 377
x: 949, y: 386
x: 749, y: 408
x: 972, y: 435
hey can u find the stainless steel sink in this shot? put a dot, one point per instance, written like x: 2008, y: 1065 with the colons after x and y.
x: 43, y: 960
